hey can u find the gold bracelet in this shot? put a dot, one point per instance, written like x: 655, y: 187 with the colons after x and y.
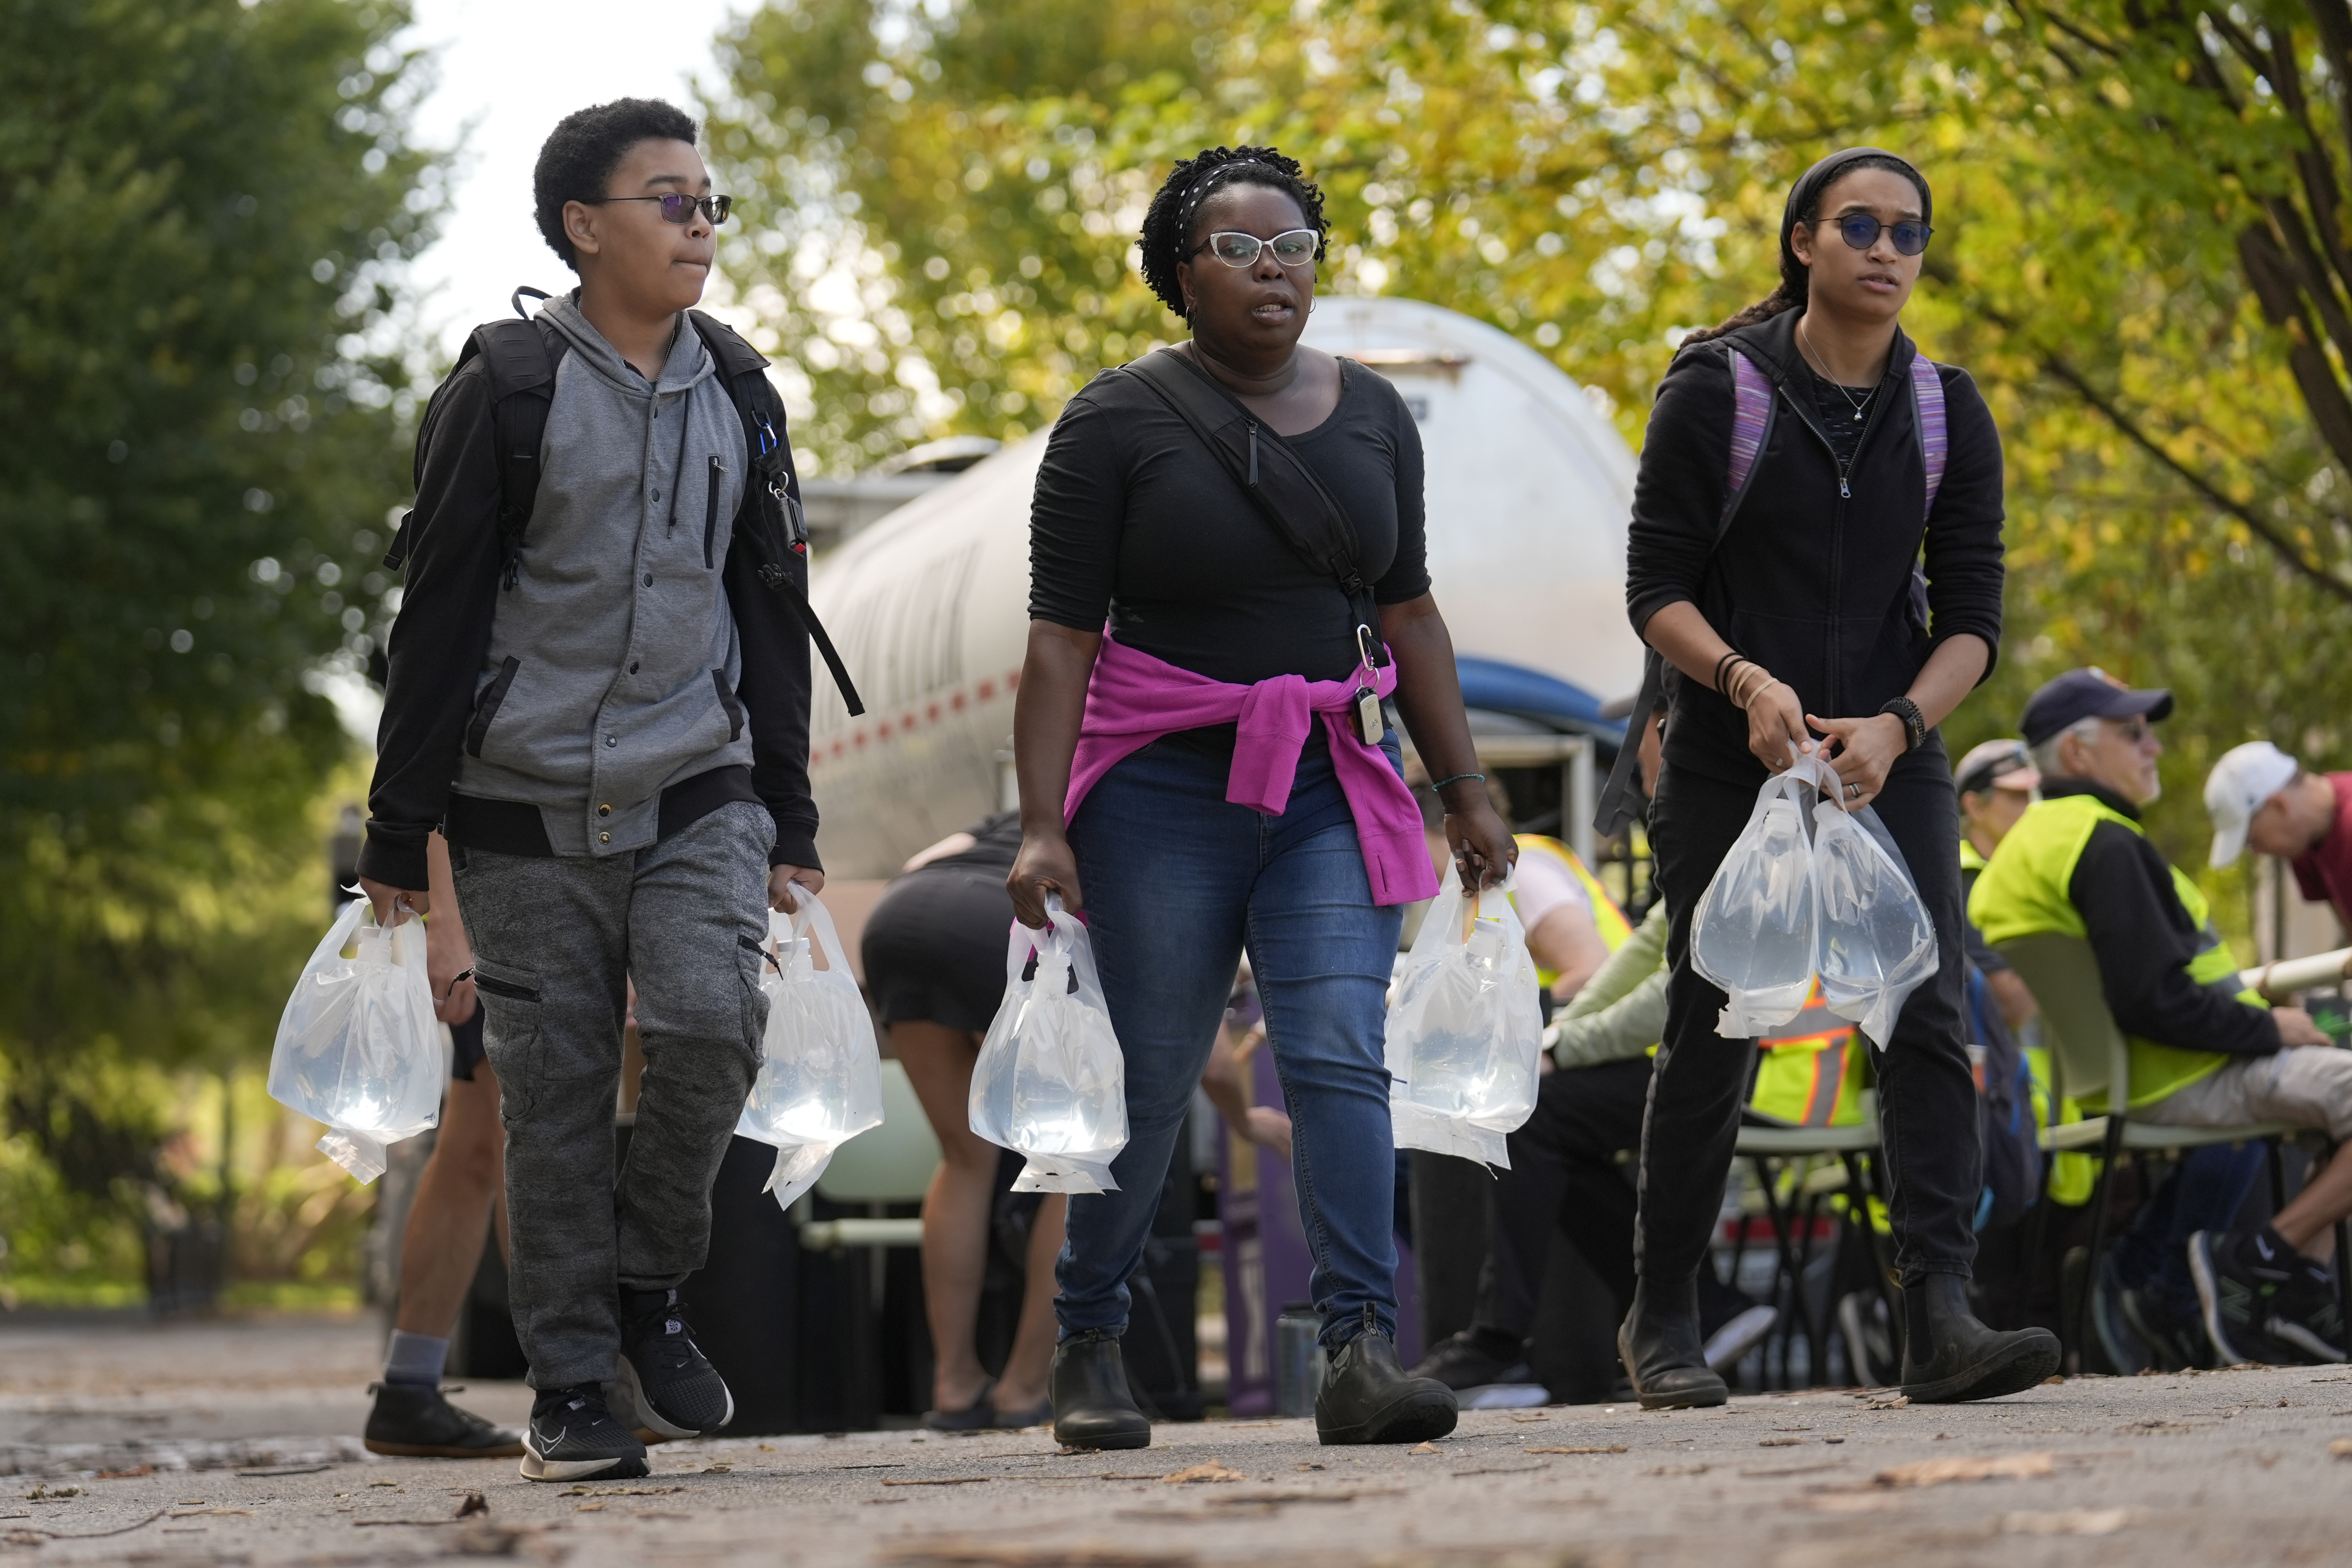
x: 1769, y: 683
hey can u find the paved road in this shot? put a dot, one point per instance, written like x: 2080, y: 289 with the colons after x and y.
x: 2231, y: 1468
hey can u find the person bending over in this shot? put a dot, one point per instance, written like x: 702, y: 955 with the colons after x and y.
x: 1211, y: 770
x: 1791, y: 625
x: 608, y: 719
x: 2261, y: 799
x: 2203, y: 1052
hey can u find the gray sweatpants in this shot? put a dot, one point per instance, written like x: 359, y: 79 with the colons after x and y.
x: 555, y: 941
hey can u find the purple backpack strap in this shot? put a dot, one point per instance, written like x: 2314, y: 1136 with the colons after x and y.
x: 1935, y: 436
x: 1751, y: 420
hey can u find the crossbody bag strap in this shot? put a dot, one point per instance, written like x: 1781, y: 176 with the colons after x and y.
x: 1283, y: 486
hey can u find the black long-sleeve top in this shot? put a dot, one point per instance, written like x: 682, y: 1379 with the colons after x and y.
x: 1812, y: 585
x: 1136, y: 522
x: 2145, y: 940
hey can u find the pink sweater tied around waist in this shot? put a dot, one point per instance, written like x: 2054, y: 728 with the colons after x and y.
x: 1134, y: 698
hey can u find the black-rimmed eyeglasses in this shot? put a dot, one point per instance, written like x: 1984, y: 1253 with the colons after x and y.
x: 676, y: 208
x: 1293, y: 248
x: 1861, y: 231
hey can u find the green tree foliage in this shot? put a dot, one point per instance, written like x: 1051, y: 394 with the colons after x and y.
x: 209, y: 206
x: 1599, y: 177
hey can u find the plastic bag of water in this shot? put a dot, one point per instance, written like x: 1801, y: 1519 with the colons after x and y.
x: 1757, y: 926
x: 1051, y: 1081
x: 358, y: 1047
x: 1464, y: 1028
x: 820, y: 1080
x: 1876, y: 944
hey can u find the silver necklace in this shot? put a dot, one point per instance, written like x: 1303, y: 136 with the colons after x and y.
x: 1861, y: 406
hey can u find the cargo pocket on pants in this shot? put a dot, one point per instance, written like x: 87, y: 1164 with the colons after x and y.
x: 510, y: 1033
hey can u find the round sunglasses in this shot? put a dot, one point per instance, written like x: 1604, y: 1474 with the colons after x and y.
x: 1293, y: 248
x: 1861, y: 231
x: 676, y: 207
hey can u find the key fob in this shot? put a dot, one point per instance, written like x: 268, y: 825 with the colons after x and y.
x: 1371, y: 723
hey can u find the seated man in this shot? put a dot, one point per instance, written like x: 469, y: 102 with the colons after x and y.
x: 2202, y: 1051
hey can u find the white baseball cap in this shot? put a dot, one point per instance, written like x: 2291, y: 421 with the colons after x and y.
x: 2239, y: 783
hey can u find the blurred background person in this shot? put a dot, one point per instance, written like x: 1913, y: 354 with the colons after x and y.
x: 2261, y: 798
x: 463, y: 1188
x: 934, y: 953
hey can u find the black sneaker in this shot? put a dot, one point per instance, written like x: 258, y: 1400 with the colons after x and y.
x: 679, y: 1392
x: 2128, y: 1352
x: 573, y: 1437
x: 2260, y: 1301
x: 2174, y: 1336
x: 1476, y: 1358
x: 1869, y: 1340
x: 415, y: 1421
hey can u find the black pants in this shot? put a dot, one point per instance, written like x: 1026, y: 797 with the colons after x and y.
x: 1927, y: 1095
x: 1564, y: 1175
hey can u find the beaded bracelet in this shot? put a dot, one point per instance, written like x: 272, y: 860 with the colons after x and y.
x: 1456, y: 779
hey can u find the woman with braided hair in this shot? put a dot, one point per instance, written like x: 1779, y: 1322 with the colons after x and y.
x: 1226, y: 581
x: 1798, y: 458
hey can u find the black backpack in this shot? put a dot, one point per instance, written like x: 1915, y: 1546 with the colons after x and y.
x: 519, y: 358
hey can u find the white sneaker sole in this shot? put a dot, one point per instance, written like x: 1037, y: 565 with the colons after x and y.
x: 653, y: 1420
x: 535, y: 1469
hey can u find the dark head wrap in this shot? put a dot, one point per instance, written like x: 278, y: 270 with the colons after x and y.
x: 1807, y: 193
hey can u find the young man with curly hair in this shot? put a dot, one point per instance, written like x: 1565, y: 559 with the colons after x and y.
x: 607, y: 718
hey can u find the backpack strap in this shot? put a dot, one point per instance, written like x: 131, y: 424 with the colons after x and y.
x: 1935, y: 432
x: 772, y: 519
x: 519, y: 360
x: 1754, y: 407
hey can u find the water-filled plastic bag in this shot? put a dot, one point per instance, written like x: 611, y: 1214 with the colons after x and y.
x: 1464, y: 1028
x: 1050, y: 1083
x: 358, y: 1047
x: 820, y: 1080
x: 1876, y: 942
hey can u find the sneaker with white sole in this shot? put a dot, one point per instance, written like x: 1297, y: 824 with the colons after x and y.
x: 573, y: 1437
x: 2262, y: 1302
x: 1741, y: 1333
x: 679, y: 1392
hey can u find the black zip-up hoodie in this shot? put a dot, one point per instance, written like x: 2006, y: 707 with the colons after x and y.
x: 1812, y: 584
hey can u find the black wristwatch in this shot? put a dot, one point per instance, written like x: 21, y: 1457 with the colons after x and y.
x: 1915, y: 723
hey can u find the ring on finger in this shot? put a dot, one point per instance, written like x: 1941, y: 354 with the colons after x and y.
x: 1854, y: 792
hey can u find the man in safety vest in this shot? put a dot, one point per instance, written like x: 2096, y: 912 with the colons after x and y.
x: 2202, y: 1051
x: 1564, y: 1173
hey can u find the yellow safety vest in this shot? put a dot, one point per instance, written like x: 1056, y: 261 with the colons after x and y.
x: 2024, y: 892
x: 1607, y: 918
x: 1813, y: 1070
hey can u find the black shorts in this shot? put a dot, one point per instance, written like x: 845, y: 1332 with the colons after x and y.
x: 934, y: 947
x: 468, y: 1037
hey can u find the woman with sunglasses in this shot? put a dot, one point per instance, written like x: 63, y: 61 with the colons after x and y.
x: 1205, y: 764
x: 1791, y: 623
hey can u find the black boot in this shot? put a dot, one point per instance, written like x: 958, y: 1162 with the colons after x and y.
x: 1949, y: 1356
x: 1660, y: 1344
x: 1368, y: 1397
x: 1092, y: 1409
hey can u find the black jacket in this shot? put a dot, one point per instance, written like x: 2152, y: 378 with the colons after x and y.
x: 442, y: 634
x: 2144, y: 939
x: 1812, y: 585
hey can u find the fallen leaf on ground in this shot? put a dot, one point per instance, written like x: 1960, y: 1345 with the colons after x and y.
x: 1422, y: 1448
x: 474, y: 1503
x: 1779, y: 1442
x: 1592, y: 1448
x: 2341, y: 1449
x: 1968, y: 1468
x: 1680, y: 1471
x: 976, y: 1554
x: 2067, y: 1521
x: 1898, y: 1402
x: 1206, y: 1470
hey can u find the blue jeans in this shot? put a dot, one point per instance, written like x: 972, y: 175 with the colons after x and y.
x: 1177, y: 881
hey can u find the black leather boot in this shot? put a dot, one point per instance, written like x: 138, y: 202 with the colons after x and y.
x: 1368, y: 1397
x: 1092, y: 1409
x: 1664, y: 1353
x: 1949, y: 1356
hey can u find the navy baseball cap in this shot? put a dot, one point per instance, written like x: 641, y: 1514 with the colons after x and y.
x: 2088, y: 693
